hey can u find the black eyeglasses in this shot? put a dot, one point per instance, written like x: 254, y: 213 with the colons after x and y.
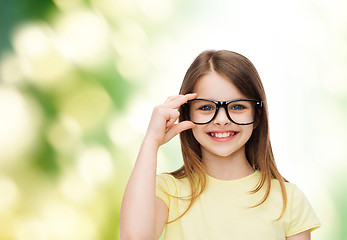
x: 239, y: 111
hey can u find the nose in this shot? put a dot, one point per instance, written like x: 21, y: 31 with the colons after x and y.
x: 221, y: 118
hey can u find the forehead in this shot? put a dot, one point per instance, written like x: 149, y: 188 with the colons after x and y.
x: 216, y: 87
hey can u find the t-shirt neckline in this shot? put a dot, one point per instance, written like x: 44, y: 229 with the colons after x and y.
x: 242, y: 179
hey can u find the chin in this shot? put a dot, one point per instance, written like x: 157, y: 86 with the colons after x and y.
x: 223, y: 152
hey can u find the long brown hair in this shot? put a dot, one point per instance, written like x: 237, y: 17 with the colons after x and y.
x: 242, y: 73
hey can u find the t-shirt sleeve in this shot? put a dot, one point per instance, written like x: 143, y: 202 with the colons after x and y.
x: 302, y: 215
x: 163, y: 187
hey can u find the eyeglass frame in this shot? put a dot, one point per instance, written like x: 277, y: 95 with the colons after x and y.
x: 224, y: 104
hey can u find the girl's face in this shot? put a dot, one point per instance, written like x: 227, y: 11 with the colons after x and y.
x: 221, y: 137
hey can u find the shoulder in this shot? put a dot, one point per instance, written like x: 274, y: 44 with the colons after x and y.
x: 296, y: 197
x: 169, y: 182
x: 168, y: 188
x: 167, y: 178
x: 291, y: 188
x: 294, y: 193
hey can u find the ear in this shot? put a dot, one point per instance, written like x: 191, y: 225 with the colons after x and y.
x: 257, y: 120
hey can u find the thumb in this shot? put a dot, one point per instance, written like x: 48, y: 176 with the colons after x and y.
x: 177, y: 128
x: 185, y: 125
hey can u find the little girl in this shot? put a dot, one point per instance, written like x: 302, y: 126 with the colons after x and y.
x: 229, y: 186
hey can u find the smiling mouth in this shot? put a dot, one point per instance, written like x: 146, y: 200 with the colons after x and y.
x: 222, y: 135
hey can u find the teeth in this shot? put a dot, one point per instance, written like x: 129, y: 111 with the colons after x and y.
x: 222, y: 135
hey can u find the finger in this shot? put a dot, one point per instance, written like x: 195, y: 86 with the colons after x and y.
x: 177, y: 128
x: 172, y: 117
x: 176, y: 96
x: 176, y: 101
x: 180, y: 96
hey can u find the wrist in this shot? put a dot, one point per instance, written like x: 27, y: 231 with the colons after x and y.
x: 150, y: 142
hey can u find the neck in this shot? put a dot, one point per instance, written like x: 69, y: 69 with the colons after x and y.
x: 230, y: 167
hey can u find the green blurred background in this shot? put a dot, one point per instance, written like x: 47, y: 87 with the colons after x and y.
x: 79, y: 79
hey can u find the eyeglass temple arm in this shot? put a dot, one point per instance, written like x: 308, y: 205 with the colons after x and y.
x: 260, y: 104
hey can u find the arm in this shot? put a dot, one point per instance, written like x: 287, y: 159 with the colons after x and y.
x: 306, y: 235
x: 143, y: 216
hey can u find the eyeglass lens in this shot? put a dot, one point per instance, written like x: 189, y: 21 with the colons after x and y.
x: 241, y: 112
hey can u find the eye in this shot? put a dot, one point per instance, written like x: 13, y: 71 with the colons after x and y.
x: 206, y: 108
x: 238, y: 107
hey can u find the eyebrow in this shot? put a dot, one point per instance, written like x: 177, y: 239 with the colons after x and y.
x: 221, y: 100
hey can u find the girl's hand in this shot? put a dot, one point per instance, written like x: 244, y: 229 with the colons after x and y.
x: 162, y: 127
